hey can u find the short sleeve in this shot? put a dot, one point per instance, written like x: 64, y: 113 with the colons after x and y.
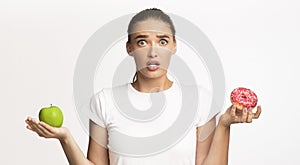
x: 97, y: 109
x: 207, y: 109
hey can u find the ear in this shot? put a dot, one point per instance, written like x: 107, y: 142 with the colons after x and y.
x: 175, y: 47
x: 129, y: 48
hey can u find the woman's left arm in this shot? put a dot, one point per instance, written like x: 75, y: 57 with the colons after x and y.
x: 205, y: 136
x: 219, y: 139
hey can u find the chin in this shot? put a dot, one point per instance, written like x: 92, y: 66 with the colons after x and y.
x: 153, y: 74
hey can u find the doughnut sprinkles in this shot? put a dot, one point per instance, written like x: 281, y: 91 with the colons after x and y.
x: 243, y: 98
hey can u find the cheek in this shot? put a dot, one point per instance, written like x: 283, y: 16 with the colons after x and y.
x: 140, y: 61
x: 140, y: 52
x: 165, y: 58
x: 164, y: 64
x: 140, y: 57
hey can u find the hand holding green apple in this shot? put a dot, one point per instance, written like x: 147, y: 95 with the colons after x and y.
x: 51, y: 115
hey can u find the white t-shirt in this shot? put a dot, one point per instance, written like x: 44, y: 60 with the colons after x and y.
x: 167, y: 136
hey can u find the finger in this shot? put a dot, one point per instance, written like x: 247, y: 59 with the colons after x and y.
x: 46, y: 133
x: 36, y: 129
x: 257, y: 113
x: 233, y: 114
x: 28, y: 127
x: 30, y: 122
x: 47, y: 127
x: 233, y: 111
x: 27, y: 120
x: 244, y: 115
x: 33, y: 120
x: 250, y: 116
x: 34, y: 125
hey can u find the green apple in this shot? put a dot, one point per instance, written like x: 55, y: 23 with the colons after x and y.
x: 51, y: 115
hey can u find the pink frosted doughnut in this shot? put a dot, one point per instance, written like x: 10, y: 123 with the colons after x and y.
x: 243, y: 98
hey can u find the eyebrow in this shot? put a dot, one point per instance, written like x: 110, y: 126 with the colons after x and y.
x: 141, y: 36
x: 146, y: 36
x: 163, y: 36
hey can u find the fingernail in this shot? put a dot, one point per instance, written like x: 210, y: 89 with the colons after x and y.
x: 245, y: 110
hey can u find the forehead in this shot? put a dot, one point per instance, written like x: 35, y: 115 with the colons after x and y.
x: 152, y: 25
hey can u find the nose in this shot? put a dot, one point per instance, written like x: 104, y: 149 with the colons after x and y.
x: 152, y: 52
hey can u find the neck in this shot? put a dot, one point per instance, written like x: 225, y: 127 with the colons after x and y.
x: 150, y: 85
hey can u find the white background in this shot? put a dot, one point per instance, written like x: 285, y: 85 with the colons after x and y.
x: 257, y: 41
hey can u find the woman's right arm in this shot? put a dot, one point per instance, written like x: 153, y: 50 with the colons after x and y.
x: 69, y: 145
x: 97, y: 151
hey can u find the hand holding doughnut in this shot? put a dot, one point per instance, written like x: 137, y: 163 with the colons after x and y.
x: 232, y: 116
x: 244, y: 101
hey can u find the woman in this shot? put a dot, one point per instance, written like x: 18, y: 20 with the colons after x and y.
x: 151, y: 42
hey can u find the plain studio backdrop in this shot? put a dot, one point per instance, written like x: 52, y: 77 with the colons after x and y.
x: 256, y: 40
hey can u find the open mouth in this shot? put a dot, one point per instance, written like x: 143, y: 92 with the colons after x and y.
x: 153, y: 65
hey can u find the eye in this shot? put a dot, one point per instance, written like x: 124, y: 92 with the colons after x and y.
x: 163, y: 42
x: 141, y: 42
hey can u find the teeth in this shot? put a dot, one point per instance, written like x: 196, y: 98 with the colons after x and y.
x: 153, y: 65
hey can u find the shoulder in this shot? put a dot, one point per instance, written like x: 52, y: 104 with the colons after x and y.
x: 106, y: 95
x: 109, y: 90
x: 199, y: 90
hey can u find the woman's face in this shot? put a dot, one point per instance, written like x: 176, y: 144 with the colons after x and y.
x: 151, y: 44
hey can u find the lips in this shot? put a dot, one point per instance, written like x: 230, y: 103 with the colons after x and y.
x: 152, y: 65
x: 153, y: 62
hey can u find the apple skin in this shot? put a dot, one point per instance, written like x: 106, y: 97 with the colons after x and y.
x: 52, y: 115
